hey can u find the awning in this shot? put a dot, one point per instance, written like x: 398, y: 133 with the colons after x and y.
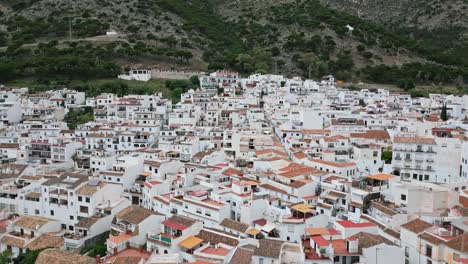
x: 303, y: 208
x: 381, y: 176
x: 253, y: 231
x: 191, y: 242
x: 268, y: 227
x: 145, y: 174
x: 332, y: 197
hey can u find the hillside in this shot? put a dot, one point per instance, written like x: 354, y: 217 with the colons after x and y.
x: 57, y: 39
x: 423, y: 14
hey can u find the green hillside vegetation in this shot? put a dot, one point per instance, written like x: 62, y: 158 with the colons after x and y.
x: 287, y: 37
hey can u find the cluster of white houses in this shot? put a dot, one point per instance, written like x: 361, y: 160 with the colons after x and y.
x: 257, y: 170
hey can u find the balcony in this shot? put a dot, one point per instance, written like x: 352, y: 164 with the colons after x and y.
x: 141, y: 140
x: 166, y: 238
x: 74, y: 241
x: 122, y: 227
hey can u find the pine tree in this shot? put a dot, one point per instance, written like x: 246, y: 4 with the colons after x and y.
x: 443, y: 113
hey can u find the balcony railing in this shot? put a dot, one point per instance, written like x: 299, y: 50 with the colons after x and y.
x: 166, y: 238
x: 122, y: 228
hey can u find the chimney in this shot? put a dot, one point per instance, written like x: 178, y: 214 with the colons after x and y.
x: 353, y: 245
x: 98, y: 259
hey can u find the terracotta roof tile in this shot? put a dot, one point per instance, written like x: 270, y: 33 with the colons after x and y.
x: 459, y: 243
x: 58, y: 256
x: 268, y: 248
x: 372, y: 134
x: 215, y: 238
x: 367, y: 240
x: 134, y: 214
x: 414, y: 140
x: 234, y: 225
x: 241, y: 256
x: 46, y: 241
x: 416, y: 226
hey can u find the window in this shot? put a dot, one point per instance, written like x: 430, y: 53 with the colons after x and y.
x: 260, y: 261
x: 71, y: 217
x: 83, y: 209
x: 51, y: 212
x: 455, y: 256
x: 407, y: 251
x: 428, y: 251
x: 87, y: 199
x: 36, y: 211
x: 403, y: 197
x: 80, y: 198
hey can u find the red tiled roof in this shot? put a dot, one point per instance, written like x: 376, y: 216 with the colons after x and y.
x: 300, y: 155
x: 216, y: 251
x: 151, y: 183
x: 372, y: 134
x: 174, y: 225
x: 414, y: 140
x: 320, y: 241
x: 351, y: 224
x: 232, y: 172
x: 334, y: 164
x: 270, y: 151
